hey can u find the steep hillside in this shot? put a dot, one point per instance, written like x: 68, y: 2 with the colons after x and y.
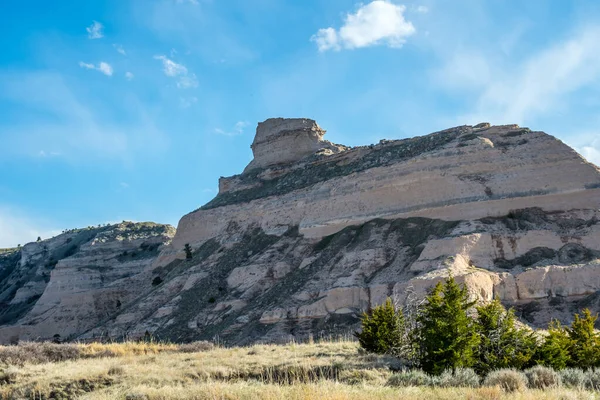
x: 312, y: 233
x: 70, y: 283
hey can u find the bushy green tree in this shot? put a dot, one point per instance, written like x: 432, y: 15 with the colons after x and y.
x: 554, y: 350
x: 585, y: 341
x: 446, y: 337
x: 382, y: 329
x: 502, y: 344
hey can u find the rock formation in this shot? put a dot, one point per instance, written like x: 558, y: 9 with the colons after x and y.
x: 282, y: 141
x: 313, y: 233
x: 74, y: 281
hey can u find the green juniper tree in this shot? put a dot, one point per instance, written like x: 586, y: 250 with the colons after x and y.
x: 502, y: 344
x: 446, y: 336
x: 382, y: 329
x: 585, y: 341
x: 554, y: 350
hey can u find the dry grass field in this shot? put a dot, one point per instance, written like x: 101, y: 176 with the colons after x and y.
x: 135, y: 371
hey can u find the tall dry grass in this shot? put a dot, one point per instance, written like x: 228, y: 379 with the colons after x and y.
x: 155, y: 371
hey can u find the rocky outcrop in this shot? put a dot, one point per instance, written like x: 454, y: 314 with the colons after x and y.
x: 72, y: 282
x: 252, y: 286
x: 287, y: 140
x: 311, y: 234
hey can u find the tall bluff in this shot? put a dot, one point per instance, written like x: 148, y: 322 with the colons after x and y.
x: 312, y: 233
x: 460, y: 173
x: 301, y: 244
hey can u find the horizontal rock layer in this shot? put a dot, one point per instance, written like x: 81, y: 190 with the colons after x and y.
x: 312, y: 234
x: 72, y: 282
x: 461, y: 173
x: 258, y: 287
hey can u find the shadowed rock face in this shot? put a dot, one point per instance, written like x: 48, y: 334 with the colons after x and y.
x: 70, y: 283
x: 312, y: 234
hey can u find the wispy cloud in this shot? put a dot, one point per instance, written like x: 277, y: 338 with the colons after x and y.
x: 185, y: 79
x: 587, y: 144
x: 74, y: 128
x: 186, y: 102
x: 422, y: 9
x: 379, y: 22
x: 95, y: 31
x: 238, y: 129
x: 592, y: 154
x: 103, y: 67
x: 194, y: 2
x: 129, y: 76
x: 44, y: 153
x: 119, y: 48
x: 534, y: 87
x: 171, y: 68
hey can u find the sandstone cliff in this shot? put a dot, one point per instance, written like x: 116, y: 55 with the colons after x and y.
x: 312, y: 233
x: 72, y: 282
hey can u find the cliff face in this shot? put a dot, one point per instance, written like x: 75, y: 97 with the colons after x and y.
x: 72, y: 282
x: 313, y: 233
x: 290, y: 248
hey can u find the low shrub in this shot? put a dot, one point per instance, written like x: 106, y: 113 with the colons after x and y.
x: 196, y: 347
x: 413, y: 377
x: 460, y: 377
x: 540, y: 377
x: 573, y: 378
x: 8, y: 376
x: 116, y: 370
x: 592, y: 379
x: 362, y: 376
x: 32, y: 352
x: 510, y: 380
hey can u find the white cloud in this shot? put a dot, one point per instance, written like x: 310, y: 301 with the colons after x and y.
x: 185, y: 79
x: 187, y: 102
x: 119, y: 48
x: 326, y: 39
x: 17, y: 228
x: 86, y: 65
x: 238, y: 129
x: 587, y: 144
x: 129, y: 76
x: 103, y: 67
x: 124, y: 185
x: 95, y: 31
x: 534, y: 87
x: 379, y: 22
x: 171, y: 68
x: 422, y: 9
x: 591, y: 154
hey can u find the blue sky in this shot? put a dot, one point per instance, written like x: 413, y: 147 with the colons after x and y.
x: 113, y: 109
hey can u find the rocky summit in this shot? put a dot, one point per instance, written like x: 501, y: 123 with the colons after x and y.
x: 312, y: 233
